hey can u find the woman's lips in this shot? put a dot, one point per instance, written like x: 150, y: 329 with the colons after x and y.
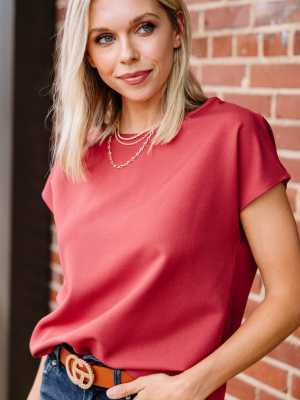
x: 137, y: 79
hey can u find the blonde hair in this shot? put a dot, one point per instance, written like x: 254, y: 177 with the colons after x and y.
x: 83, y: 104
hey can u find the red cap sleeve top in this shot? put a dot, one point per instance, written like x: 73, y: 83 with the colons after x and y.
x: 157, y: 267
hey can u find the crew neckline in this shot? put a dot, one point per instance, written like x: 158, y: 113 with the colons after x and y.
x: 200, y: 108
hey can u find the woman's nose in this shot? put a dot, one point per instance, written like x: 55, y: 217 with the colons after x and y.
x: 128, y: 52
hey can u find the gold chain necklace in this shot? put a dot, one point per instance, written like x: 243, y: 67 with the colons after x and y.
x: 120, y: 137
x: 152, y: 130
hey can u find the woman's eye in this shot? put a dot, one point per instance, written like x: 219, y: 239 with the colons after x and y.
x: 106, y: 38
x: 148, y: 27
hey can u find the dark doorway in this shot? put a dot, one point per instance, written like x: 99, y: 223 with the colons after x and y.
x: 30, y: 254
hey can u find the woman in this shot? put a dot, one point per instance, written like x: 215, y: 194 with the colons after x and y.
x: 158, y: 248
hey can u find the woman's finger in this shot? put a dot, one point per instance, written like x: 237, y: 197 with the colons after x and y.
x: 125, y: 389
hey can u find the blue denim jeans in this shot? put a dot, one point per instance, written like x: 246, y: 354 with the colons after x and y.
x: 56, y: 385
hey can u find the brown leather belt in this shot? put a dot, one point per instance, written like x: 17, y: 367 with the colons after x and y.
x: 94, y: 374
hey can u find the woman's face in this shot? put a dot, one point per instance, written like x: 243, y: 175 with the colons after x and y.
x: 129, y: 36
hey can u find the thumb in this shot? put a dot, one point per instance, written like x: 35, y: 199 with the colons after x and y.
x: 122, y: 390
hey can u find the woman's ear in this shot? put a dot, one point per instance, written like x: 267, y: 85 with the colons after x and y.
x: 89, y: 59
x: 180, y: 20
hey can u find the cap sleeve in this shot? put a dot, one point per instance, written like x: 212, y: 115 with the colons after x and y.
x: 259, y: 166
x: 47, y: 192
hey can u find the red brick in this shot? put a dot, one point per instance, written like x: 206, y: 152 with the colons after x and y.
x: 275, y: 75
x: 288, y: 106
x: 287, y: 353
x: 194, y: 70
x: 256, y: 285
x: 229, y: 75
x: 60, y: 13
x: 293, y: 166
x: 276, y: 12
x: 287, y: 137
x: 227, y: 17
x: 296, y: 386
x: 292, y: 193
x: 222, y: 46
x: 257, y: 103
x: 194, y: 16
x: 210, y: 94
x: 297, y: 43
x: 53, y: 294
x: 247, y: 45
x: 239, y: 389
x: 55, y: 257
x: 56, y: 277
x: 275, y: 44
x: 199, y: 47
x: 267, y: 396
x: 297, y: 332
x: 268, y: 374
x: 250, y: 307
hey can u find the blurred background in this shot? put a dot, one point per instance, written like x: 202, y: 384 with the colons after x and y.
x: 244, y: 51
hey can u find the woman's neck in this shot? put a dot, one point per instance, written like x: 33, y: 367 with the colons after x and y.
x: 136, y: 118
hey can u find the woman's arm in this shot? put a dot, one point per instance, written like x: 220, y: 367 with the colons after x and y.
x: 273, y: 237
x: 35, y: 390
x: 272, y: 234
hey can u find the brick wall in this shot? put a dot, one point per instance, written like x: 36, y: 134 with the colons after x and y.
x: 248, y: 52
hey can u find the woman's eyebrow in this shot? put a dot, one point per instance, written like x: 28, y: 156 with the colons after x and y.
x: 134, y: 21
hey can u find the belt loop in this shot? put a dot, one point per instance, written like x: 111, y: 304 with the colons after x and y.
x: 57, y: 356
x: 117, y: 381
x: 117, y: 377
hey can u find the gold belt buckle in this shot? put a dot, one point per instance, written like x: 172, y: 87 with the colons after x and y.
x: 82, y: 374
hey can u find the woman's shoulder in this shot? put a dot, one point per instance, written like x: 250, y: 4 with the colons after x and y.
x: 223, y: 120
x: 219, y: 110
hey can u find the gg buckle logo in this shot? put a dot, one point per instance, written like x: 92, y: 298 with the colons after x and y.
x: 82, y: 374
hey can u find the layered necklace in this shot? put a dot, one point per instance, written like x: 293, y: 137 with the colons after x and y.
x: 128, y: 141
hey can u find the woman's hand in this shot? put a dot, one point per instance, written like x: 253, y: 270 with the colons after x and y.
x: 157, y: 387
